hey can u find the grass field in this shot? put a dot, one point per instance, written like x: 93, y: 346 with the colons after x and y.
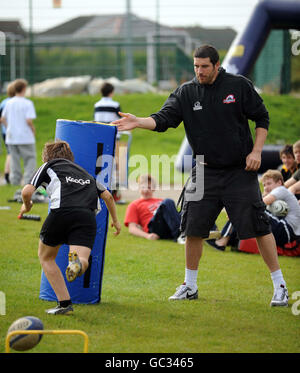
x: 232, y: 313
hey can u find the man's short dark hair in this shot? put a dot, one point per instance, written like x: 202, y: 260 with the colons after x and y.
x: 107, y: 89
x: 207, y: 51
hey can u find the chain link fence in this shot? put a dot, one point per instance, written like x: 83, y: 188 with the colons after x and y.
x: 37, y: 62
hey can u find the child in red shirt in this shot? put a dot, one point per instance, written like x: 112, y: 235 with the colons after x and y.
x: 152, y: 218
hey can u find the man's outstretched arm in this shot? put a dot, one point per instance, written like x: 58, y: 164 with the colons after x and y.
x: 129, y: 122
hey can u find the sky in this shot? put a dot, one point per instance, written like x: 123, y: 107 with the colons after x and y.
x: 209, y: 14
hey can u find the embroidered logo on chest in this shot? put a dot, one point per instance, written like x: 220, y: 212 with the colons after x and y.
x: 197, y: 106
x: 229, y: 99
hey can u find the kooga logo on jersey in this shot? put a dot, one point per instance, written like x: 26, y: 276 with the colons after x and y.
x: 77, y: 181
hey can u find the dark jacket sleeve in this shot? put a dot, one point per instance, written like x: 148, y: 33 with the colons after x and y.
x: 253, y: 106
x: 170, y: 115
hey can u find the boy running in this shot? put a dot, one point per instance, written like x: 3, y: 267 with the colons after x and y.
x: 73, y: 194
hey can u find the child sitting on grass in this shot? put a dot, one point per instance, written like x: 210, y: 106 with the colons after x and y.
x: 285, y: 229
x: 152, y: 218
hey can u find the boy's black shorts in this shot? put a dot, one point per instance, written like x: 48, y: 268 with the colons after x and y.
x: 238, y: 191
x: 71, y: 226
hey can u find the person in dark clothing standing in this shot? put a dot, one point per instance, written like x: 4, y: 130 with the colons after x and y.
x: 215, y: 108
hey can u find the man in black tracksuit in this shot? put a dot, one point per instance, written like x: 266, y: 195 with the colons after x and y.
x: 215, y: 118
x: 215, y: 107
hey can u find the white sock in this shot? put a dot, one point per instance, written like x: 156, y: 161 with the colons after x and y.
x: 191, y: 277
x: 277, y: 278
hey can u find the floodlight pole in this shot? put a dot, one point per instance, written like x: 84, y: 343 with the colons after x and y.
x: 129, y: 57
x: 158, y: 42
x: 31, y: 52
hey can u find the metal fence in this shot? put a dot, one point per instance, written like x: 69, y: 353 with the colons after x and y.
x: 272, y: 71
x: 39, y: 61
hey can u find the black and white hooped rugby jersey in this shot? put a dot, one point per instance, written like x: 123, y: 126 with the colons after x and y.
x: 67, y: 184
x: 106, y: 110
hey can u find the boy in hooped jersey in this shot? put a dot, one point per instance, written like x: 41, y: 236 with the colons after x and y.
x: 73, y: 194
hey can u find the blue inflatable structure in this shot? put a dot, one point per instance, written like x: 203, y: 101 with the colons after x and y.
x: 93, y: 145
x: 267, y: 15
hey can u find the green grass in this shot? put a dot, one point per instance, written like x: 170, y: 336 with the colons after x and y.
x: 232, y: 313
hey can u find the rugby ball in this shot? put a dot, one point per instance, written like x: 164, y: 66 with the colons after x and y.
x: 23, y: 342
x: 278, y: 208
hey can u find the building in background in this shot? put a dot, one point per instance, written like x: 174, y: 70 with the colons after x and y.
x: 161, y: 45
x: 220, y: 38
x: 12, y: 61
x: 126, y: 46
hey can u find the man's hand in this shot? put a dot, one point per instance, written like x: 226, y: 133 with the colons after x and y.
x: 253, y: 161
x: 128, y: 122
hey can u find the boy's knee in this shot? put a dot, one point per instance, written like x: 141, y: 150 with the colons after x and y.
x: 44, y: 259
x: 168, y: 200
x: 45, y: 256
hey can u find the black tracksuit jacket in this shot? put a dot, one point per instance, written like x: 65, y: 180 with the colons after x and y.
x: 215, y: 118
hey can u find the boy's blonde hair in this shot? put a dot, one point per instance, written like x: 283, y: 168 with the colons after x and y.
x: 147, y: 179
x: 296, y: 145
x: 11, y: 91
x: 274, y: 175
